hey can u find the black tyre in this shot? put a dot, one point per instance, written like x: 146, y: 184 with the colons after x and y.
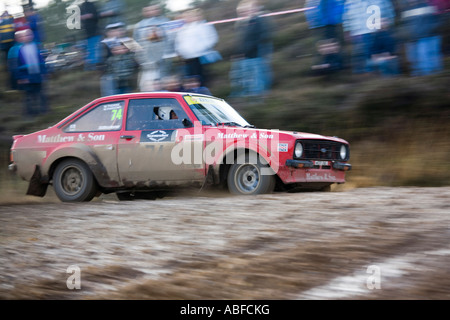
x: 246, y: 178
x: 73, y: 181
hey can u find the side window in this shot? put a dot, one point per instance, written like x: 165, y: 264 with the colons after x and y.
x: 146, y: 114
x: 104, y: 117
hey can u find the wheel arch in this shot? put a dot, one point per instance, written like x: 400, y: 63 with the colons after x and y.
x: 79, y: 152
x: 222, y: 167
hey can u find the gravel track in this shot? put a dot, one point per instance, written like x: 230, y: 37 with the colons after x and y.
x: 367, y: 243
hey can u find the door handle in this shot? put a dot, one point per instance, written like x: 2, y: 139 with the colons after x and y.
x: 127, y: 137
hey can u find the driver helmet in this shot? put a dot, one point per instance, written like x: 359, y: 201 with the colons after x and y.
x: 164, y: 113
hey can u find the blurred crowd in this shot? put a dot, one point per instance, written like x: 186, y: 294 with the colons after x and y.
x: 21, y: 44
x: 159, y: 53
x: 384, y: 35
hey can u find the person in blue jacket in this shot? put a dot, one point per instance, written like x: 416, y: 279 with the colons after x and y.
x: 7, y: 30
x: 30, y: 73
x: 424, y: 43
x: 35, y: 23
x: 325, y: 17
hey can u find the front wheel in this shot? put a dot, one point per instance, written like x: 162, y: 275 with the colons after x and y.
x: 249, y: 179
x: 73, y: 181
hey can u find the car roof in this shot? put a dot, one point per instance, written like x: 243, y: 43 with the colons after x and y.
x: 159, y: 94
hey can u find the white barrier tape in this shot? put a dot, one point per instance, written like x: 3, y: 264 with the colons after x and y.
x: 263, y: 15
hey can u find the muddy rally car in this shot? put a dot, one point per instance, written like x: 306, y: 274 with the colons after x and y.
x: 141, y: 145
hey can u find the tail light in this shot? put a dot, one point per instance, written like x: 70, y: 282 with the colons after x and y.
x: 11, y: 154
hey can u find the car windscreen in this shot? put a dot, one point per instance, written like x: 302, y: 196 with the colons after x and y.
x: 213, y: 111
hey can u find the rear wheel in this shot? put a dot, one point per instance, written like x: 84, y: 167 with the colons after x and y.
x: 73, y: 181
x: 249, y: 178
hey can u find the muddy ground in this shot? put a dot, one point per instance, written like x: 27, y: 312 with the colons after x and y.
x: 367, y: 243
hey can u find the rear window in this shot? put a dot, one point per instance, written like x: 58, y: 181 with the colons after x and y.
x: 104, y: 117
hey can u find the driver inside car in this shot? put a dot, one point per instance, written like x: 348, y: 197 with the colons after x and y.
x: 166, y: 113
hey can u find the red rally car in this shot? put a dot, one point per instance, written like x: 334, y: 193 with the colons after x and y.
x: 141, y: 144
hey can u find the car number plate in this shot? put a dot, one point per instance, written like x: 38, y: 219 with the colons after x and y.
x: 321, y: 163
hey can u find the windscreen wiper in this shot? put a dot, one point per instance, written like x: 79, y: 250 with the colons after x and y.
x: 232, y: 124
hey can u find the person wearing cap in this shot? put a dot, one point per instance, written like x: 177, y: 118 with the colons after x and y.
x: 112, y: 34
x: 122, y: 66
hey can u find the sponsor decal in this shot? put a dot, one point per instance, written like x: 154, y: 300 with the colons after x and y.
x: 194, y: 137
x: 112, y: 106
x: 55, y: 139
x: 264, y: 135
x: 158, y: 136
x: 109, y: 128
x: 320, y: 177
x: 283, y: 147
x: 234, y: 135
x: 82, y: 137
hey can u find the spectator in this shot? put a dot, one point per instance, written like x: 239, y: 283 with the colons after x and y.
x: 361, y: 19
x: 194, y: 40
x: 326, y: 19
x: 249, y: 65
x: 89, y: 22
x: 122, y: 66
x: 30, y: 72
x: 326, y: 15
x: 35, y: 23
x: 7, y: 41
x: 111, y: 12
x: 443, y: 14
x: 192, y: 84
x: 170, y: 57
x: 107, y: 83
x: 150, y: 35
x: 423, y: 46
x: 330, y: 52
x: 172, y: 83
x: 384, y: 52
x: 13, y: 59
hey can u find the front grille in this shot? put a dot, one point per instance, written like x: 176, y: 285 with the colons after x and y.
x: 321, y: 150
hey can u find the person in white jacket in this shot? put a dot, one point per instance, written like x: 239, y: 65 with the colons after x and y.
x: 193, y: 41
x: 149, y: 34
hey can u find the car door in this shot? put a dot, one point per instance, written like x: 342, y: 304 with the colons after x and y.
x: 153, y: 146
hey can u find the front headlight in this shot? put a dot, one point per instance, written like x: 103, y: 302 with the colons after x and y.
x: 298, y: 151
x: 343, y: 152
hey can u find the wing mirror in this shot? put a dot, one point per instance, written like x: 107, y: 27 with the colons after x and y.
x: 187, y: 123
